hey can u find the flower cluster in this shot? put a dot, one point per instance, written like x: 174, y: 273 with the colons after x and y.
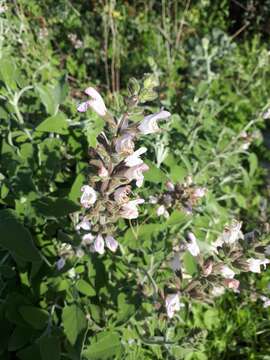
x: 217, y: 271
x: 183, y: 196
x: 115, y: 165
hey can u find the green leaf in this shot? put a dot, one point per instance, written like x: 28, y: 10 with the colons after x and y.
x: 75, y: 191
x: 50, y: 348
x: 8, y: 72
x: 47, y: 98
x: 211, y: 318
x: 29, y: 353
x: 154, y: 174
x: 34, y: 316
x: 190, y: 263
x: 15, y: 237
x: 177, y: 218
x: 60, y: 91
x: 125, y: 309
x: 20, y: 337
x: 107, y: 346
x: 51, y: 207
x: 74, y: 322
x: 56, y: 123
x: 85, y: 288
x: 93, y: 129
x: 178, y: 173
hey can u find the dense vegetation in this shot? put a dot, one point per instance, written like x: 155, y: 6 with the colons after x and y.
x: 207, y: 63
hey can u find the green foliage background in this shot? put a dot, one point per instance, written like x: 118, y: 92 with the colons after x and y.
x: 212, y: 62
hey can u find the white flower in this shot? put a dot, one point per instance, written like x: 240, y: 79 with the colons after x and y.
x: 71, y: 273
x: 87, y: 239
x: 172, y: 304
x: 218, y: 291
x: 152, y: 199
x: 266, y: 115
x: 136, y: 173
x: 134, y: 159
x: 84, y: 224
x: 231, y: 234
x: 255, y: 264
x: 99, y: 245
x: 111, y: 243
x: 60, y: 263
x: 130, y: 210
x: 226, y: 272
x: 266, y: 301
x: 193, y: 247
x: 124, y: 144
x: 121, y: 194
x: 88, y: 197
x: 161, y: 210
x: 96, y: 102
x: 149, y: 124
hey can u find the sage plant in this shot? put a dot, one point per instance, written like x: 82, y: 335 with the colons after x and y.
x: 116, y: 168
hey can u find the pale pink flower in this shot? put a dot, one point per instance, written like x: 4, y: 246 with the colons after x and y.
x: 232, y: 284
x: 111, y: 243
x: 149, y: 124
x: 103, y: 172
x: 199, y: 192
x: 172, y: 304
x: 136, y: 173
x: 192, y: 246
x: 130, y: 210
x: 88, y: 197
x: 84, y: 224
x: 255, y: 264
x: 121, y: 194
x: 96, y: 102
x: 226, y: 272
x: 99, y: 245
x: 125, y: 144
x: 134, y: 159
x: 87, y: 239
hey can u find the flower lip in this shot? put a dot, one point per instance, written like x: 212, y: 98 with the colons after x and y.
x: 134, y: 159
x: 149, y: 123
x: 88, y: 197
x: 96, y: 102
